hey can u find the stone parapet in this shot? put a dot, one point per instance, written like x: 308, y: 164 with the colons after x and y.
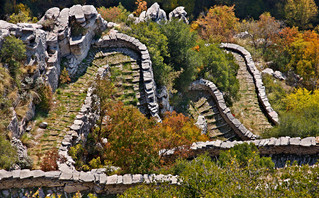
x: 261, y: 90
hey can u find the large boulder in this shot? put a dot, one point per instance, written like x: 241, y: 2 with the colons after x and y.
x: 179, y: 13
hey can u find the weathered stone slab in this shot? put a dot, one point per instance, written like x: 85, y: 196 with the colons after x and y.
x: 127, y: 179
x: 86, y: 177
x: 111, y: 179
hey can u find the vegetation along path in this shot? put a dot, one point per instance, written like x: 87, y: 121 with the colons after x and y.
x: 247, y: 108
x: 69, y: 98
x: 203, y: 104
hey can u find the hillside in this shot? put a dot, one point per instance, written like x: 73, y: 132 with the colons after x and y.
x: 129, y: 102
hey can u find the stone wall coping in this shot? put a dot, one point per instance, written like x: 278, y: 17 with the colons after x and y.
x: 282, y: 145
x: 225, y: 112
x: 261, y: 91
x: 115, y: 39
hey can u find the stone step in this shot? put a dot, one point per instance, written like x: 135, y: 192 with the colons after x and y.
x: 201, y: 102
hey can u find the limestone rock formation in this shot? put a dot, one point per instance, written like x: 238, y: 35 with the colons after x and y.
x: 155, y: 13
x: 180, y: 13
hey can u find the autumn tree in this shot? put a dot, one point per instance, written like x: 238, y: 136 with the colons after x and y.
x: 141, y: 6
x: 300, y: 12
x: 114, y: 14
x: 219, y: 24
x: 263, y: 31
x: 22, y: 15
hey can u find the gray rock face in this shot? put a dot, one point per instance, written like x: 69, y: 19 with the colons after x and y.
x: 268, y: 71
x: 279, y: 75
x: 202, y: 124
x: 179, y: 13
x: 24, y: 160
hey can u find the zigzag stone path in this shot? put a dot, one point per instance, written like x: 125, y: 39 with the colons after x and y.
x: 247, y: 108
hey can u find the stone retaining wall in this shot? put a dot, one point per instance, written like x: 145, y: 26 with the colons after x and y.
x: 119, y: 40
x: 271, y: 146
x: 234, y: 123
x: 82, y: 124
x: 261, y: 91
x: 94, y: 181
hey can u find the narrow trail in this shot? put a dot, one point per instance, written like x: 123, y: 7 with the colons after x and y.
x: 247, y: 108
x: 68, y: 99
x: 203, y: 104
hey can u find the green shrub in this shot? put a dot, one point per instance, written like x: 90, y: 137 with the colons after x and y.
x: 275, y: 92
x: 220, y: 68
x: 303, y: 123
x: 13, y: 53
x: 46, y: 100
x: 8, y: 154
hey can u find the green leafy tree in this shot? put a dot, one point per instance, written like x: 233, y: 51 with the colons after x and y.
x: 220, y: 68
x: 157, y: 43
x: 300, y: 12
x: 182, y: 58
x: 13, y: 53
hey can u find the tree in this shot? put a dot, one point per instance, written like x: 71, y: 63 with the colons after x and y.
x: 181, y: 56
x: 115, y: 14
x: 141, y: 6
x: 219, y: 24
x: 264, y: 31
x: 150, y: 34
x: 219, y: 68
x: 13, y: 53
x: 23, y: 15
x: 300, y: 12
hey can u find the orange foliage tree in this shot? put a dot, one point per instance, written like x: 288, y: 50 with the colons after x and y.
x: 219, y: 24
x: 114, y: 14
x: 134, y: 141
x: 141, y: 6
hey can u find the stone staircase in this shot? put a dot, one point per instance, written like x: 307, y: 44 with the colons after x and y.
x: 126, y: 75
x: 247, y: 109
x: 67, y: 102
x: 203, y: 104
x: 68, y: 99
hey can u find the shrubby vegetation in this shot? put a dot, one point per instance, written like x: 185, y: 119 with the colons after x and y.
x: 301, y: 117
x: 133, y: 141
x: 239, y: 172
x: 8, y: 154
x: 114, y: 14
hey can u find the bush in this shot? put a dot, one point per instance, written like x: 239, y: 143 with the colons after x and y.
x: 218, y: 67
x: 49, y: 162
x: 115, y: 14
x: 301, y: 117
x: 46, y: 100
x: 150, y: 34
x: 181, y: 56
x: 133, y: 140
x: 13, y: 53
x: 64, y: 77
x: 238, y: 172
x: 275, y: 92
x: 8, y: 154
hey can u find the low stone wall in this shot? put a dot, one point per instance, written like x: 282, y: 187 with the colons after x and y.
x: 82, y: 124
x: 119, y: 40
x: 234, y: 123
x: 73, y: 181
x: 271, y: 146
x: 261, y: 91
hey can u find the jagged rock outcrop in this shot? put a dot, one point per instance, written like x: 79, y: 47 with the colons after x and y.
x: 179, y: 13
x: 23, y: 160
x: 69, y: 34
x: 155, y: 13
